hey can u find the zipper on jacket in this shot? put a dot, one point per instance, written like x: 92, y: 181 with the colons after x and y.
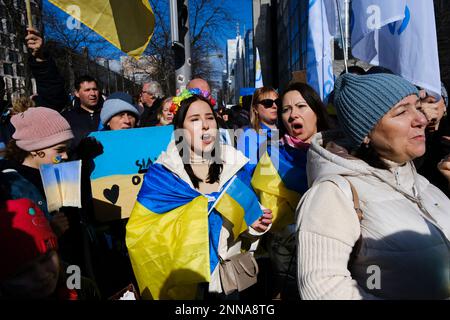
x: 427, y: 216
x: 396, y: 177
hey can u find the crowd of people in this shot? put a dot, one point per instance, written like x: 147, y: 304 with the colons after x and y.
x: 273, y: 198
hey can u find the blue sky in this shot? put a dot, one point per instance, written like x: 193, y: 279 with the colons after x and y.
x: 241, y: 11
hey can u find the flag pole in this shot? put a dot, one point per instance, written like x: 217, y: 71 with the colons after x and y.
x: 344, y: 42
x: 29, y: 18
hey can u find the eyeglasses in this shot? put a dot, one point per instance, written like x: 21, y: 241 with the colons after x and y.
x: 152, y: 96
x: 268, y: 103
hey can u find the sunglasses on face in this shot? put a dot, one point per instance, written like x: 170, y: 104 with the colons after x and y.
x: 268, y: 103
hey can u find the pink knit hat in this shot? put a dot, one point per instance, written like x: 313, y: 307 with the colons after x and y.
x: 40, y: 128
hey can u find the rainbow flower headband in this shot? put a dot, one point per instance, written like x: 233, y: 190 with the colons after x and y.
x: 186, y: 94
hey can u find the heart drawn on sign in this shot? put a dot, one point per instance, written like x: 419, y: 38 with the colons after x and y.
x: 112, y: 194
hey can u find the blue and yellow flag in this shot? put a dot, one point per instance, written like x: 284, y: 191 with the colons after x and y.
x: 128, y: 25
x: 173, y: 232
x: 280, y: 180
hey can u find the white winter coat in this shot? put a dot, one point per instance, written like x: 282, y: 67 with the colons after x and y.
x: 233, y: 161
x: 405, y: 230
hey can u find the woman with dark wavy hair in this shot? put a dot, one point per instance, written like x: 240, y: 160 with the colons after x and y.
x: 194, y: 211
x: 280, y: 178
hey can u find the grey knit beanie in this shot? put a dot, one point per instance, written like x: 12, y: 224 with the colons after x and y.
x: 116, y: 105
x: 362, y: 100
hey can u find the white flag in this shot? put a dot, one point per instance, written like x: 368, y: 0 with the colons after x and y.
x: 258, y: 73
x: 319, y: 67
x: 400, y: 36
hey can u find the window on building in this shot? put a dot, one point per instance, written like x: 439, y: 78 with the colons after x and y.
x: 13, y: 56
x: 5, y: 40
x: 8, y: 69
x: 4, y: 25
x: 9, y: 27
x: 20, y: 71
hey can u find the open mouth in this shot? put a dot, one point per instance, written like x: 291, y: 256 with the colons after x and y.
x: 297, y: 129
x: 207, y: 138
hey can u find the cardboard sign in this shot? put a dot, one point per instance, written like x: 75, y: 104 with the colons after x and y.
x: 119, y: 171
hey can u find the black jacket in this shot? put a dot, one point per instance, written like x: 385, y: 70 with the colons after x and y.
x: 149, y: 117
x: 50, y: 84
x: 436, y: 149
x: 6, y: 128
x: 82, y: 123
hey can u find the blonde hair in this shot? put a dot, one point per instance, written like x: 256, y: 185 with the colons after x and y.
x: 21, y: 104
x: 255, y: 120
x: 159, y: 116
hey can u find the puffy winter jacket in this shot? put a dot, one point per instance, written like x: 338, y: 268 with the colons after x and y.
x: 403, y: 235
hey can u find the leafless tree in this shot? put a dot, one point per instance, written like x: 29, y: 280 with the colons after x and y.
x: 75, y: 39
x: 209, y: 21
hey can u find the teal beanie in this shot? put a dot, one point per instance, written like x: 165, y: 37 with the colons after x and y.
x: 362, y: 100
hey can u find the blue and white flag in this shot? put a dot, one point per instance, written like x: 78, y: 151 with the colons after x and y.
x: 319, y: 67
x: 258, y: 72
x: 367, y: 17
x: 62, y: 184
x: 401, y: 36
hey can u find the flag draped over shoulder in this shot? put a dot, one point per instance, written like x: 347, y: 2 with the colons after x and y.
x: 280, y: 180
x: 173, y: 232
x: 398, y: 35
x: 128, y: 25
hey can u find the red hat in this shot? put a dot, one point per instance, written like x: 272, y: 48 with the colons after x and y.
x: 25, y: 234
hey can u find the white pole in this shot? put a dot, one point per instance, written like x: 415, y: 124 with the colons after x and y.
x: 344, y: 43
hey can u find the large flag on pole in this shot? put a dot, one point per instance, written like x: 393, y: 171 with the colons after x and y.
x: 258, y: 72
x: 128, y: 25
x: 319, y: 67
x: 401, y: 36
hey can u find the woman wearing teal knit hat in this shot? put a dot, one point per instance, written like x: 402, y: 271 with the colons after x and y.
x: 370, y: 227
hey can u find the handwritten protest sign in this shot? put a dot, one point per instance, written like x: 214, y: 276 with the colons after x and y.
x: 119, y: 171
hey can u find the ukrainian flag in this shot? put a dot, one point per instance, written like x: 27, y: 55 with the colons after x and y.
x: 173, y: 232
x: 280, y: 180
x: 128, y: 25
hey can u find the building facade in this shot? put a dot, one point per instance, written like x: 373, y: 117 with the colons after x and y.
x: 231, y: 53
x: 249, y: 60
x: 292, y: 31
x: 280, y: 33
x: 442, y: 14
x: 13, y: 53
x: 265, y: 39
